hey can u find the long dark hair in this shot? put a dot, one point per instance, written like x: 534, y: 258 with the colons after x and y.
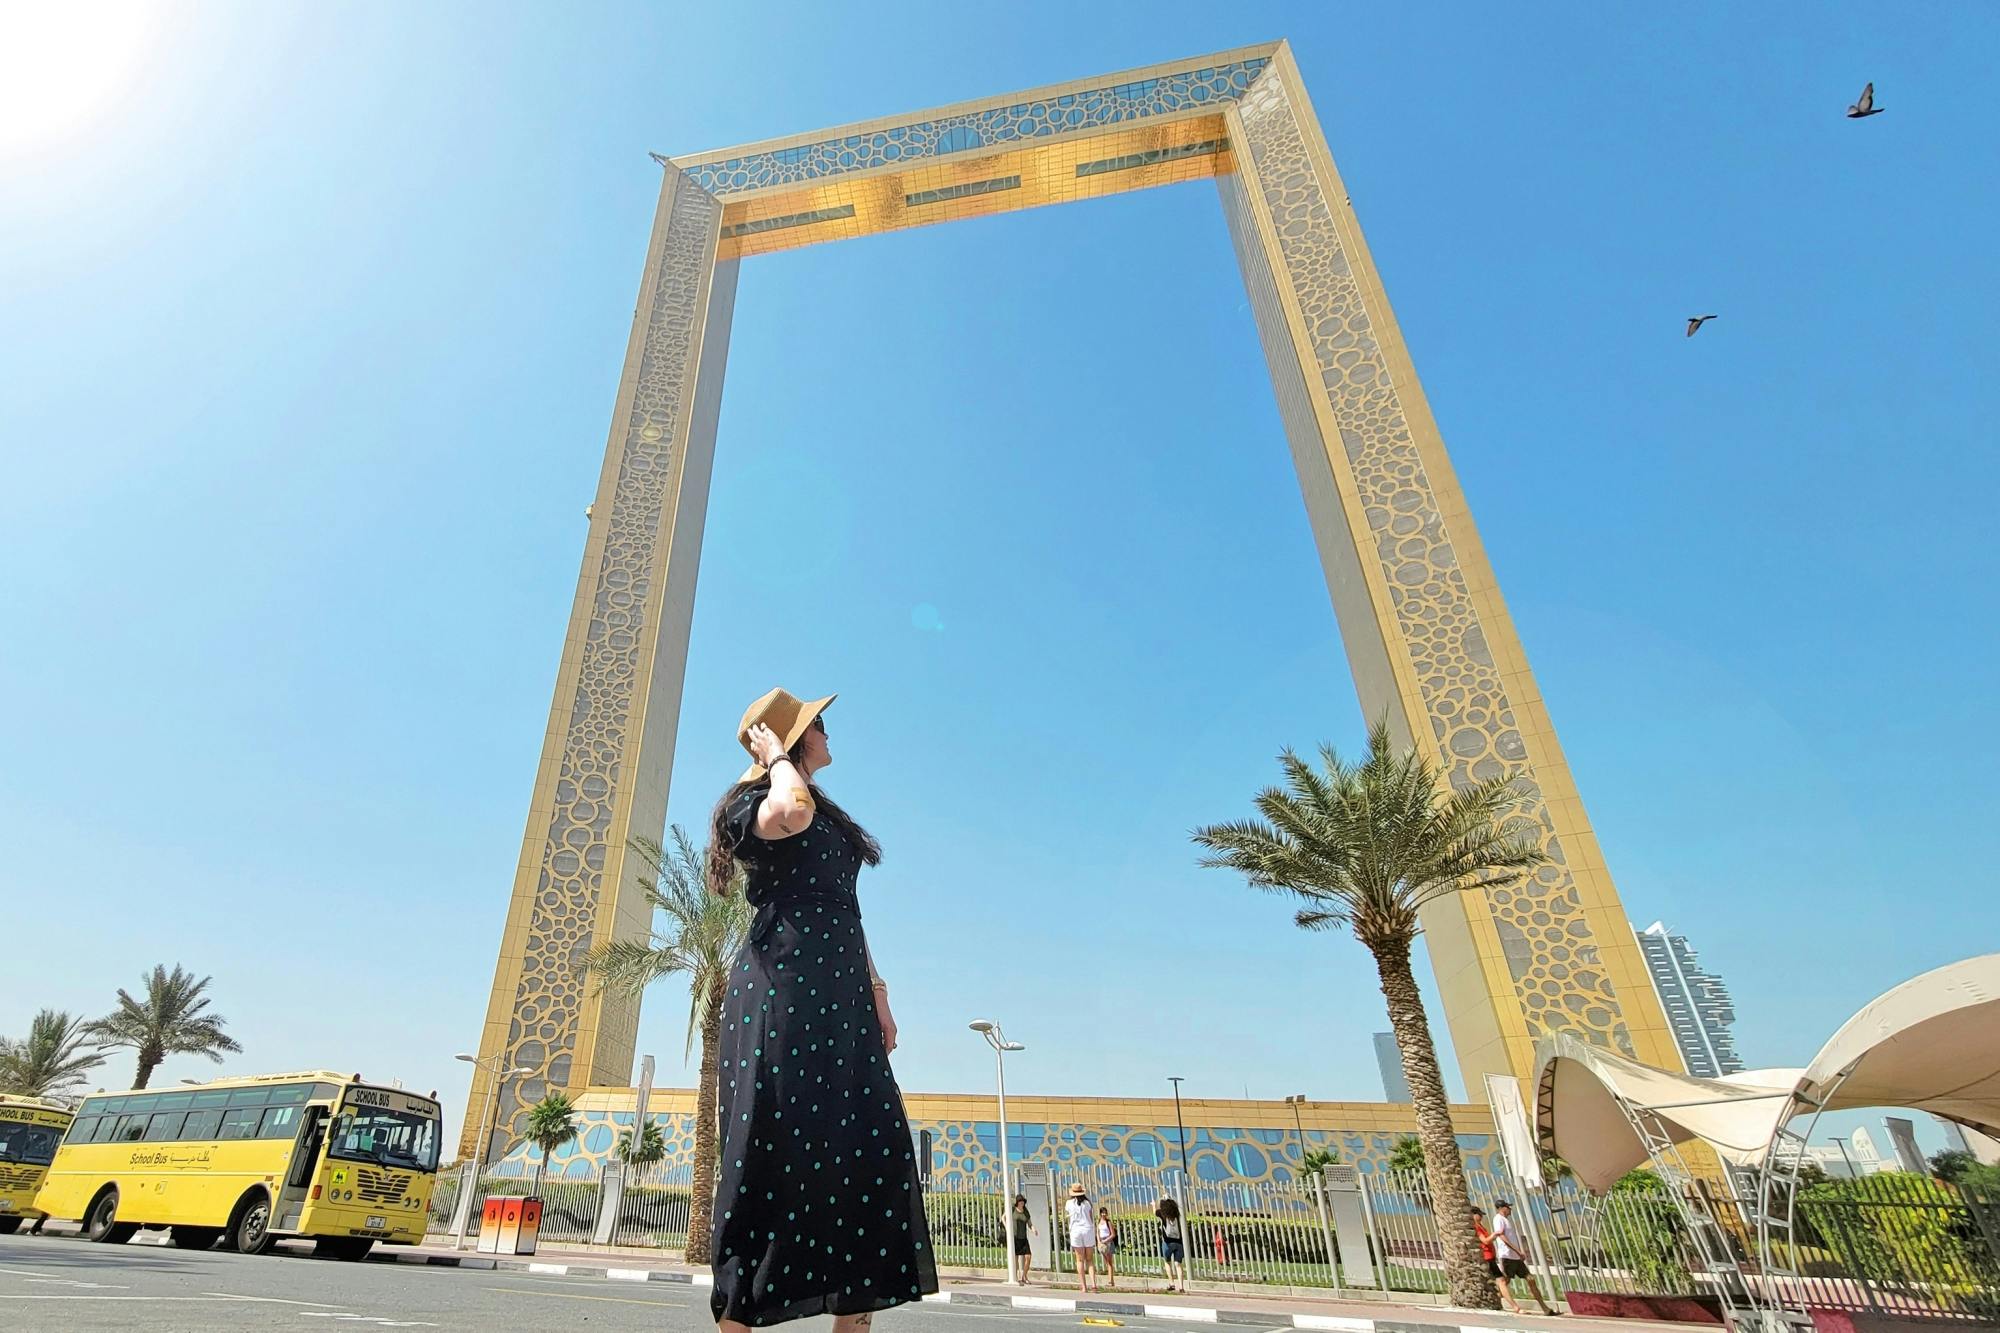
x: 722, y: 852
x: 1167, y: 1210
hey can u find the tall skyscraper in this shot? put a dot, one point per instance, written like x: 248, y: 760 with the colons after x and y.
x: 1699, y: 1010
x: 1395, y: 1085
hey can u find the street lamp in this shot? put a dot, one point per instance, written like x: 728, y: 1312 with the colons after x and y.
x: 998, y: 1041
x: 1841, y: 1144
x: 1186, y: 1180
x: 463, y: 1223
x: 1295, y: 1101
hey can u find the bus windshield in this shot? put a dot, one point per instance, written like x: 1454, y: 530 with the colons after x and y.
x: 34, y: 1145
x: 385, y: 1137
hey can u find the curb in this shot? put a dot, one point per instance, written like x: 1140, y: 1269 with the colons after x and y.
x: 1191, y: 1314
x: 1317, y: 1323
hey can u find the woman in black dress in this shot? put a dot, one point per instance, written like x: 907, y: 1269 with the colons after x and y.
x: 817, y: 1204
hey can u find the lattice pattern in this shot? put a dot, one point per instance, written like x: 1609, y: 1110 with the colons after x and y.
x: 965, y: 1153
x: 596, y: 747
x: 994, y: 126
x: 1544, y: 934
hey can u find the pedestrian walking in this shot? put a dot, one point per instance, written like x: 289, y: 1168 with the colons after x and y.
x: 1173, y: 1244
x: 1107, y: 1244
x: 1023, y: 1250
x: 1485, y: 1241
x: 817, y: 1200
x: 1082, y: 1236
x: 1511, y: 1261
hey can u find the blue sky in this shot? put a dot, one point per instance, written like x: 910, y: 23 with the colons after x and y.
x: 310, y: 325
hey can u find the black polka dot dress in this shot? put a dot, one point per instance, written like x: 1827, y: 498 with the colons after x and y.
x: 817, y: 1205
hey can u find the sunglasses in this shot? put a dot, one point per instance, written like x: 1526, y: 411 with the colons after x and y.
x: 819, y: 724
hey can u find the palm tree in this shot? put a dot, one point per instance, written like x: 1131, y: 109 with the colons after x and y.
x: 1366, y: 847
x: 170, y: 1021
x: 652, y: 1146
x: 1318, y: 1160
x: 697, y: 933
x: 1407, y: 1154
x: 57, y: 1052
x: 551, y: 1124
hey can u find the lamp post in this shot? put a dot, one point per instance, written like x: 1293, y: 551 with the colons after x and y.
x: 1841, y: 1144
x: 1295, y: 1101
x: 463, y: 1223
x: 1181, y: 1126
x: 998, y: 1041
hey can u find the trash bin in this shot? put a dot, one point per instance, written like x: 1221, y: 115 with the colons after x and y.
x: 491, y: 1218
x: 510, y: 1225
x: 529, y: 1230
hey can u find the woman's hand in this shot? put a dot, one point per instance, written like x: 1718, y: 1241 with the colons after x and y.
x: 885, y: 1018
x: 765, y: 745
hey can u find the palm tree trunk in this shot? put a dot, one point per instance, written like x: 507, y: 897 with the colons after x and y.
x: 1444, y: 1169
x: 148, y: 1062
x: 701, y: 1201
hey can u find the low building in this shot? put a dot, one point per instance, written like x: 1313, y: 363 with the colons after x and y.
x: 1228, y: 1141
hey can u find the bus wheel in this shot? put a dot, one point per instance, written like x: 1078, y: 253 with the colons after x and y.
x: 193, y: 1238
x: 343, y: 1247
x: 103, y: 1225
x: 250, y: 1230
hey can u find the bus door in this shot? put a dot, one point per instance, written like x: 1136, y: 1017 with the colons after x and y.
x: 303, y: 1169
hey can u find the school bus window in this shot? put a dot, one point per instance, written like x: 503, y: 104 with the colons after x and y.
x: 164, y: 1126
x: 31, y: 1145
x: 100, y: 1129
x: 219, y: 1097
x: 240, y: 1122
x: 80, y: 1128
x: 145, y: 1102
x: 249, y: 1097
x: 280, y: 1122
x: 130, y: 1128
x: 202, y: 1125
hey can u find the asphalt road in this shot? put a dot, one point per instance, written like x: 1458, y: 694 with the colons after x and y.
x: 61, y: 1284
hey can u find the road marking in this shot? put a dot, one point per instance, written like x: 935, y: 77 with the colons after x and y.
x: 1193, y: 1314
x: 1334, y: 1323
x: 1043, y: 1303
x: 381, y: 1321
x: 74, y: 1282
x: 579, y: 1296
x: 629, y: 1274
x: 557, y: 1269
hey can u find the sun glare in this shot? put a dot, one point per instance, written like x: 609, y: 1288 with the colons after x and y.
x: 63, y: 65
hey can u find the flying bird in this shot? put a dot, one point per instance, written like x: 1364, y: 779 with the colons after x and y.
x: 1696, y: 321
x: 1866, y: 106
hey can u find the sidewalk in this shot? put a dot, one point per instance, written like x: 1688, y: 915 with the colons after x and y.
x: 627, y: 1264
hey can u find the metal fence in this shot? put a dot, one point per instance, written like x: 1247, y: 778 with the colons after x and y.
x: 1892, y: 1243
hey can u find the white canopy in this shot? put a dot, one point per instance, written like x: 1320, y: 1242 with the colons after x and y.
x: 1578, y: 1087
x: 1932, y: 1043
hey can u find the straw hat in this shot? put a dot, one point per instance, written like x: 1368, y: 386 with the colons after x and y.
x: 782, y: 712
x: 1077, y: 1192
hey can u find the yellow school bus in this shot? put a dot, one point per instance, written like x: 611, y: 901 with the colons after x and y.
x: 29, y: 1131
x: 251, y: 1160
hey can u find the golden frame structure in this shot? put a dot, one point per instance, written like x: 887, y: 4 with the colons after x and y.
x: 1428, y: 638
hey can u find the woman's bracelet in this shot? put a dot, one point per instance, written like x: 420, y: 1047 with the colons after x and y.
x: 781, y: 759
x: 876, y: 983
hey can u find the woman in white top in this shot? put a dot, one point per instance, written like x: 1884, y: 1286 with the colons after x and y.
x: 1082, y: 1237
x: 1107, y: 1244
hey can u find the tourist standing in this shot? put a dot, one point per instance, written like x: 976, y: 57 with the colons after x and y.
x: 1511, y: 1260
x: 1173, y: 1243
x: 1023, y: 1250
x: 1107, y: 1244
x: 1082, y: 1236
x: 817, y: 1204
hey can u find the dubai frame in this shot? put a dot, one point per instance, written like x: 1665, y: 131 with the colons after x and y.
x: 1428, y: 639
